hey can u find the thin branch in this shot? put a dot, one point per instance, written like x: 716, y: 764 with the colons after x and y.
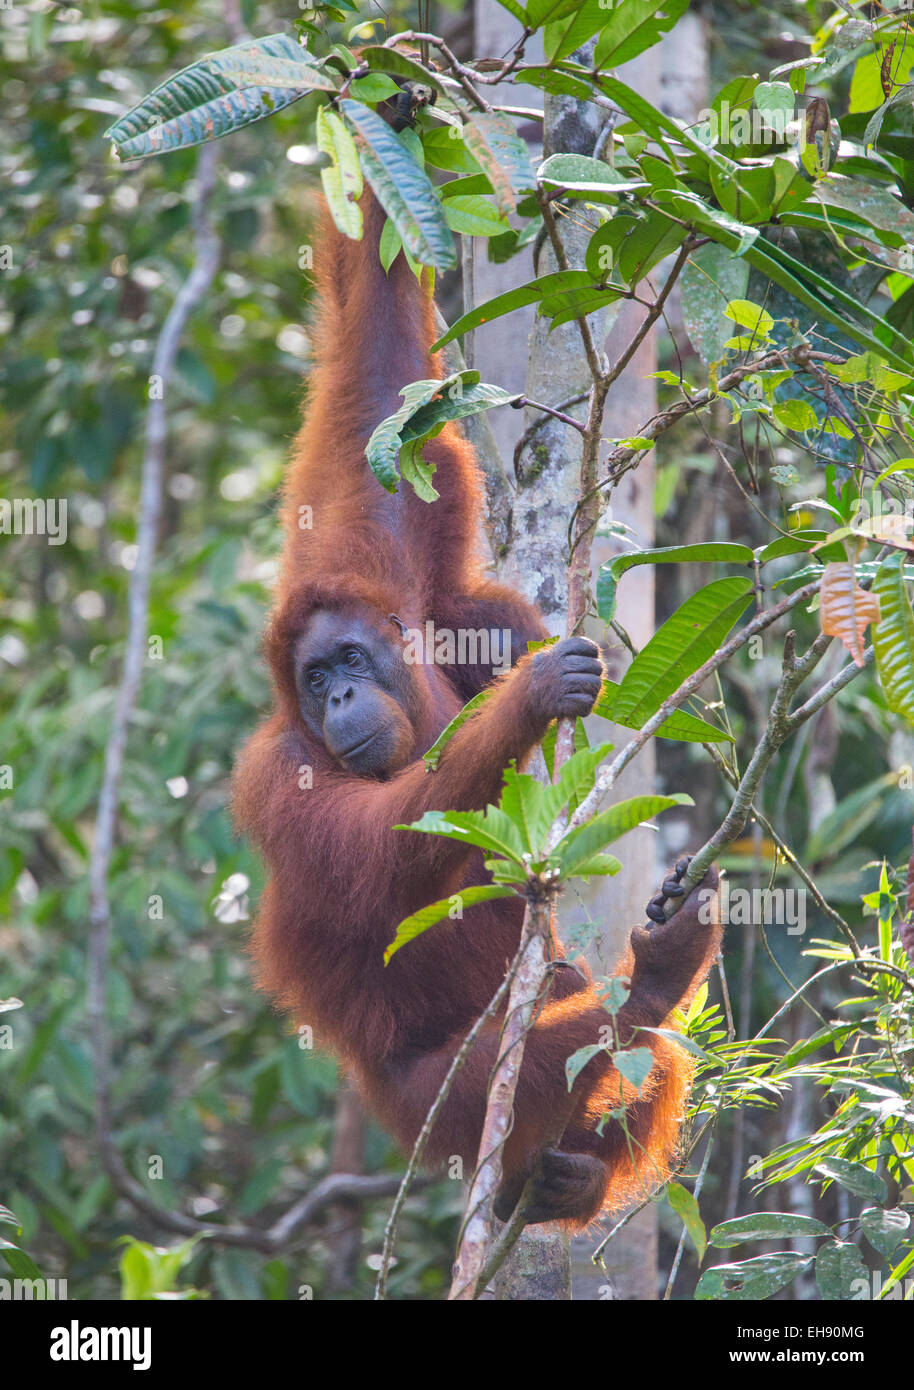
x: 464, y: 75
x: 610, y: 773
x: 390, y: 1233
x: 781, y: 725
x: 537, y: 425
x: 618, y: 458
x: 189, y: 296
x: 521, y: 401
x: 653, y: 313
x: 594, y: 361
x: 526, y: 992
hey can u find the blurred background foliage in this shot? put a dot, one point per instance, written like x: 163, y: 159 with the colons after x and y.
x: 206, y: 1074
x: 207, y: 1077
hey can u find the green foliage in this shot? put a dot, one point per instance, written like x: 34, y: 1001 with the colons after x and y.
x: 815, y: 242
x: 206, y: 1076
x: 218, y: 95
x: 864, y: 1146
x: 427, y: 407
x: 516, y: 836
x: 150, y: 1272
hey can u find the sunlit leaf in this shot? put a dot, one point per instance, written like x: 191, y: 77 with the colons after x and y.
x: 426, y: 917
x: 893, y: 637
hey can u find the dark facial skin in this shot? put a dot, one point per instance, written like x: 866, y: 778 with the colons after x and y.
x: 354, y: 691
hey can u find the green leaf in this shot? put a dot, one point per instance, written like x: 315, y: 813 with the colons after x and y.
x: 776, y: 102
x: 474, y: 216
x: 893, y: 637
x: 376, y: 87
x: 522, y: 802
x: 580, y: 844
x: 490, y: 829
x: 389, y: 246
x: 219, y: 94
x: 656, y: 124
x: 342, y: 182
x: 885, y: 1229
x: 901, y: 95
x: 712, y: 277
x: 810, y: 288
x: 795, y: 277
x: 633, y: 27
x: 415, y: 471
x: 501, y: 154
x: 899, y: 466
x: 602, y: 864
x: 402, y: 187
x: 645, y: 244
x: 433, y: 756
x: 685, y: 641
x: 578, y: 1061
x: 765, y: 1225
x: 749, y: 315
x: 683, y: 1040
x: 576, y: 304
x: 560, y: 83
x: 446, y: 149
x: 574, y: 780
x: 705, y: 217
x: 548, y: 11
x: 513, y: 299
x: 391, y: 60
x: 591, y: 178
x: 21, y: 1264
x: 427, y: 407
x: 460, y: 396
x: 857, y: 1178
x: 752, y: 1280
x: 799, y: 542
x: 897, y: 1274
x: 866, y: 85
x: 635, y: 1064
x: 872, y: 203
x: 522, y: 15
x: 686, y: 1208
x: 383, y: 448
x: 610, y: 573
x: 797, y: 415
x: 680, y: 726
x: 564, y: 37
x: 462, y: 187
x: 426, y: 917
x: 839, y: 1267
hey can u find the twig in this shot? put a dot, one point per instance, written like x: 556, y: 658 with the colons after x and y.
x: 521, y: 401
x: 538, y: 425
